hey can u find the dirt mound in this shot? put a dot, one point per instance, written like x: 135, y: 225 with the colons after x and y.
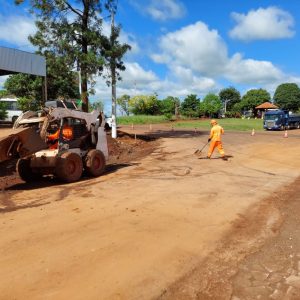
x: 128, y: 147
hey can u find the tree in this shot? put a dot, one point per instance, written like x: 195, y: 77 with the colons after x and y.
x: 4, y: 93
x: 229, y: 97
x: 123, y: 102
x: 61, y: 80
x: 169, y: 105
x: 97, y: 105
x: 3, y: 112
x: 253, y: 98
x: 144, y: 105
x: 26, y: 85
x: 25, y: 104
x: 287, y: 96
x: 73, y: 31
x: 190, y: 106
x: 211, y: 105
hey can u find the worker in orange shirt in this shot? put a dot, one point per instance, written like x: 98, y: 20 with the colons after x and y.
x: 215, y: 139
x: 67, y: 135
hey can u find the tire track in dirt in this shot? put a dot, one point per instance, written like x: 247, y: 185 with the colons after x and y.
x: 212, y: 279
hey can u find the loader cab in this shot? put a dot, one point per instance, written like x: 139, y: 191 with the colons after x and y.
x: 80, y: 137
x: 69, y: 104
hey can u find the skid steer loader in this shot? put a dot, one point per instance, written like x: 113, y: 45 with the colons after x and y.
x: 64, y: 158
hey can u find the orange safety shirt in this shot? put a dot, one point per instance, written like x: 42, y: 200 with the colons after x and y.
x: 216, y: 132
x: 67, y: 133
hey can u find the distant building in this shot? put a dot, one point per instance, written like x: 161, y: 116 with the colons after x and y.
x: 262, y: 108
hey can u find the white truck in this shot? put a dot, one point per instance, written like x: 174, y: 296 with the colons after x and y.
x: 87, y: 150
x: 11, y: 107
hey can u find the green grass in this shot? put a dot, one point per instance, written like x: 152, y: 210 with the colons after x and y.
x: 227, y: 124
x: 141, y: 119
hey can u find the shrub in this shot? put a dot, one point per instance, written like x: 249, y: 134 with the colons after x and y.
x: 3, y: 112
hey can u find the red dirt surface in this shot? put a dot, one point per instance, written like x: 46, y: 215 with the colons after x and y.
x: 167, y: 225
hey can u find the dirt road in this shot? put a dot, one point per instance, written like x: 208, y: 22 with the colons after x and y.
x: 146, y: 229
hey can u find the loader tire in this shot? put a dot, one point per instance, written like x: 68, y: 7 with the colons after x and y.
x: 69, y: 167
x: 24, y: 170
x: 94, y: 163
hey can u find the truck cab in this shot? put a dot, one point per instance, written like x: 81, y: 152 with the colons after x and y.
x: 276, y: 120
x: 280, y: 120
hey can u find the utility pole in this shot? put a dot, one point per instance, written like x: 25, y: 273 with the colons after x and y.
x: 113, y: 80
x: 79, y: 80
x: 225, y: 102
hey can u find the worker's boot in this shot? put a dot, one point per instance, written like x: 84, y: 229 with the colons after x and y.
x: 224, y: 158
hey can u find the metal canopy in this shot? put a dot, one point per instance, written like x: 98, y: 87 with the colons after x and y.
x: 16, y: 61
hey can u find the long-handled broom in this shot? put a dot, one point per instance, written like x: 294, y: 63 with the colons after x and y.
x: 198, y: 151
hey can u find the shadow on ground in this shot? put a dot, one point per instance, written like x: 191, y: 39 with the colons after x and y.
x: 157, y: 134
x: 47, y: 181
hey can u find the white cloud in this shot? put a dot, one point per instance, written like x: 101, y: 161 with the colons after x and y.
x: 135, y: 73
x: 241, y: 70
x: 263, y: 24
x: 16, y: 29
x: 161, y: 10
x: 137, y: 81
x: 195, y: 46
x: 197, y: 59
x: 133, y: 78
x: 204, y: 53
x: 187, y: 78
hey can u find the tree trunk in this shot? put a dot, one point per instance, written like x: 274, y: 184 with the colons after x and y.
x: 84, y: 93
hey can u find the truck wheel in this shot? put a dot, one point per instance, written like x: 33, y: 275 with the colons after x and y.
x: 94, y: 163
x: 14, y: 119
x: 69, y: 167
x: 24, y: 170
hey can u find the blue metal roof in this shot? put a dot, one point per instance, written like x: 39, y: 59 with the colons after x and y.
x: 17, y: 61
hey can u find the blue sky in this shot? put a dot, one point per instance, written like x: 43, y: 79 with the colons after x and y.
x: 184, y: 47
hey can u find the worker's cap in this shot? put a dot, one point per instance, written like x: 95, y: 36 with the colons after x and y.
x: 213, y: 122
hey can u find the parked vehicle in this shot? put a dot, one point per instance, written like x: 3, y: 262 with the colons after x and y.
x: 280, y: 120
x: 13, y: 112
x: 247, y: 114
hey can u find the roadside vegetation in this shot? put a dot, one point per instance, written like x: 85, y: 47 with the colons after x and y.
x: 227, y: 123
x: 227, y: 104
x: 141, y: 119
x: 237, y: 124
x: 3, y: 112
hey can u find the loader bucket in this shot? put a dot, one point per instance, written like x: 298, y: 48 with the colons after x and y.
x: 20, y: 142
